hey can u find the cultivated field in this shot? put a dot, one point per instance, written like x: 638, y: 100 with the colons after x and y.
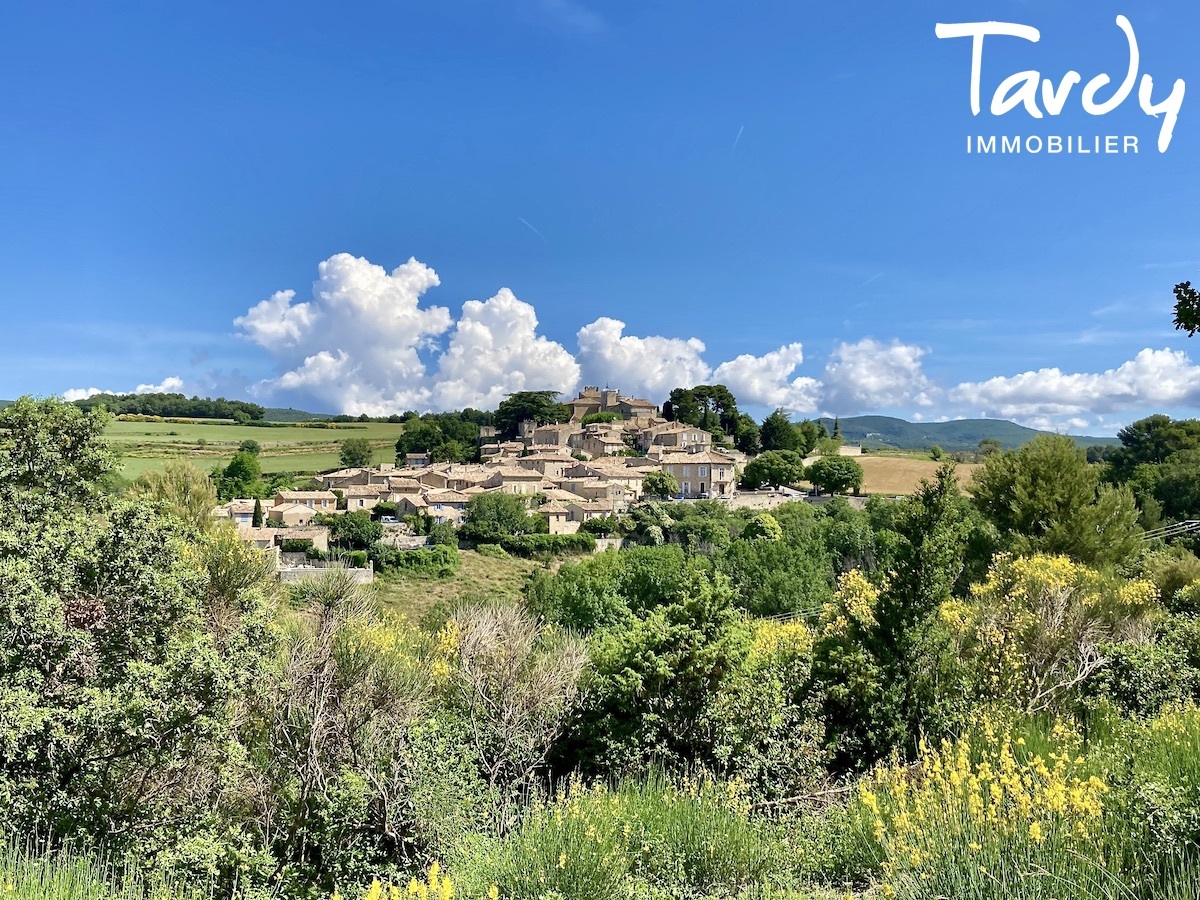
x: 292, y: 448
x: 898, y: 475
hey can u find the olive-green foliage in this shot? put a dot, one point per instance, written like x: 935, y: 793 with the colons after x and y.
x: 881, y: 674
x: 433, y: 561
x: 1171, y: 569
x: 1045, y: 497
x: 609, y: 589
x: 660, y: 483
x: 186, y: 492
x: 51, y: 453
x: 126, y: 653
x: 773, y: 468
x: 355, y: 453
x: 655, y: 674
x: 651, y: 838
x: 762, y: 527
x: 765, y: 720
x: 835, y: 474
x: 494, y: 514
x: 792, y: 574
x: 353, y: 530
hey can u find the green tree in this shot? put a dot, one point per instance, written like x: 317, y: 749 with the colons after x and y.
x: 881, y: 656
x: 746, y: 437
x: 936, y: 453
x: 835, y: 474
x: 778, y: 433
x: 660, y: 483
x: 655, y: 675
x: 1046, y: 498
x: 683, y: 407
x: 51, y: 453
x: 126, y: 649
x: 1151, y: 441
x: 250, y: 446
x: 355, y: 453
x: 763, y: 527
x: 354, y: 530
x: 256, y: 520
x: 775, y: 468
x: 187, y: 493
x: 241, y: 478
x: 494, y: 514
x: 810, y: 433
x: 989, y: 447
x: 1187, y: 308
x: 419, y: 436
x: 541, y: 407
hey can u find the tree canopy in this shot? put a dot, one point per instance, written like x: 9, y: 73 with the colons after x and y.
x: 774, y: 468
x: 778, y: 433
x: 541, y: 407
x: 355, y: 453
x: 835, y: 474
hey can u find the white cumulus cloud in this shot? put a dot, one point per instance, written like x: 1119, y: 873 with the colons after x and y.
x: 357, y: 345
x: 1152, y: 378
x: 647, y: 367
x: 494, y: 350
x: 766, y: 380
x: 869, y: 374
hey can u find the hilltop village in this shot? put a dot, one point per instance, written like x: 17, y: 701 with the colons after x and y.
x: 569, y: 473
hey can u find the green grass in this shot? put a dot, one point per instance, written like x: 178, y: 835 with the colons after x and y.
x: 477, y: 576
x: 147, y: 446
x: 68, y: 875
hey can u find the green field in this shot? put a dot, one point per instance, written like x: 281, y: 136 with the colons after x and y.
x: 148, y: 445
x: 478, y: 576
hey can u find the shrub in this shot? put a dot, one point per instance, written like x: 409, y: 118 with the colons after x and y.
x: 433, y: 561
x: 550, y: 544
x: 596, y: 843
x: 493, y: 551
x: 296, y: 545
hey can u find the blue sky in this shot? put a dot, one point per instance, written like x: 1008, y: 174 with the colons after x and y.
x: 785, y: 184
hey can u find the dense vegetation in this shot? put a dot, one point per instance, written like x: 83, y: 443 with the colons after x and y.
x: 985, y: 695
x: 174, y: 406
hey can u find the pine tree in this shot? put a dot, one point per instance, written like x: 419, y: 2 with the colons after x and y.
x: 258, y: 514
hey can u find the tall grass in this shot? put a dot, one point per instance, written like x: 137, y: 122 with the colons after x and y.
x: 28, y: 873
x: 593, y: 843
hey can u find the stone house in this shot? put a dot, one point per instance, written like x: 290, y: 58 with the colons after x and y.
x: 321, y: 501
x: 292, y: 515
x: 707, y: 473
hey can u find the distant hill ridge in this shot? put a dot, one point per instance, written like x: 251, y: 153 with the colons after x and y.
x: 961, y: 434
x: 873, y: 431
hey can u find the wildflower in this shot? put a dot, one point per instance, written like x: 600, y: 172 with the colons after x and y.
x: 562, y: 860
x: 1035, y: 832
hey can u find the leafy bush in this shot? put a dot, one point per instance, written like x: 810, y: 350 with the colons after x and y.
x: 550, y: 544
x: 296, y: 545
x: 433, y: 561
x: 492, y: 551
